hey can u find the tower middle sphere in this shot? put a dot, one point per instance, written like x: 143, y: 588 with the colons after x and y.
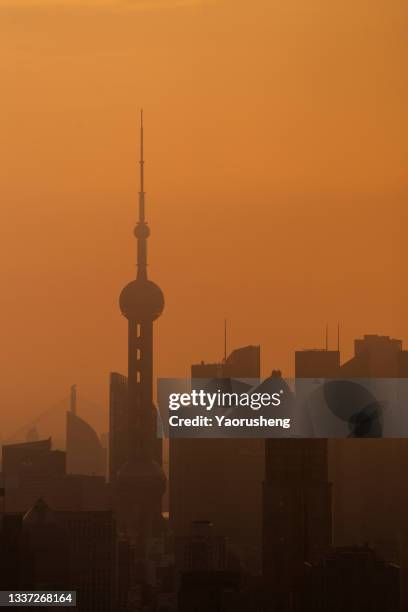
x: 141, y: 231
x: 141, y: 300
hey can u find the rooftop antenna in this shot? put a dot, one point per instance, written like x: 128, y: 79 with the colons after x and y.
x: 327, y: 336
x: 338, y: 337
x: 73, y: 399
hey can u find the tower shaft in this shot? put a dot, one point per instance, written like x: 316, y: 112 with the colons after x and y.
x: 140, y: 389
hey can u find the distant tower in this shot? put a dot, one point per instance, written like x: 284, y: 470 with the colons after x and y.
x: 141, y: 481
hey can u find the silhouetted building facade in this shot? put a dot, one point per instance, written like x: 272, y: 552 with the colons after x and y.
x: 297, y: 512
x: 13, y: 558
x: 317, y: 364
x: 48, y: 550
x: 243, y: 362
x: 352, y: 579
x: 376, y: 357
x: 221, y: 479
x: 202, y: 549
x: 370, y: 501
x: 30, y: 460
x: 206, y: 573
x: 34, y: 469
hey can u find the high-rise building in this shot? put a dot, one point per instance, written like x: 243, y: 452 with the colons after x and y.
x: 297, y: 502
x: 32, y: 458
x: 92, y: 557
x: 140, y: 480
x: 244, y: 362
x: 220, y: 480
x: 205, y: 573
x: 49, y: 550
x: 376, y: 357
x: 201, y: 549
x: 30, y: 461
x: 297, y: 512
x: 34, y: 469
x: 13, y: 560
x: 352, y: 579
x: 369, y: 502
x: 317, y: 363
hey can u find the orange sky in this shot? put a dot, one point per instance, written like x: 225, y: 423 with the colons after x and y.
x: 276, y: 148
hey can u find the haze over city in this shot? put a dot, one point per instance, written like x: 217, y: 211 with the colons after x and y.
x: 275, y: 177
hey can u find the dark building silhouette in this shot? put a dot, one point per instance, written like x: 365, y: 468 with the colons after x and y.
x: 297, y: 512
x: 140, y: 481
x: 92, y: 557
x: 48, y: 550
x: 376, y: 357
x: 370, y: 500
x: 207, y: 591
x: 202, y: 549
x: 221, y: 479
x: 13, y: 560
x: 297, y: 507
x: 317, y: 363
x: 34, y: 469
x: 30, y: 461
x: 352, y: 579
x: 206, y: 574
x: 243, y: 362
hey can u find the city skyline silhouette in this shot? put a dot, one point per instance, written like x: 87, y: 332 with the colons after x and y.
x: 269, y: 165
x: 278, y: 166
x: 201, y: 541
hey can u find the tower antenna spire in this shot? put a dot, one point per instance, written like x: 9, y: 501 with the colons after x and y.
x: 141, y: 163
x: 142, y: 231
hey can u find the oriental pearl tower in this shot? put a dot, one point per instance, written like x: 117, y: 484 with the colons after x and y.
x: 141, y: 481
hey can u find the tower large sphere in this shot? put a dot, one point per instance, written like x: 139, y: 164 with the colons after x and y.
x: 141, y: 300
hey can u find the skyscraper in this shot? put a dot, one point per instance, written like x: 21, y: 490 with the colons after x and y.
x: 140, y: 481
x: 367, y: 474
x: 297, y: 509
x: 220, y: 480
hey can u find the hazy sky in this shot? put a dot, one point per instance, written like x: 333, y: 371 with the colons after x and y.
x: 276, y: 177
